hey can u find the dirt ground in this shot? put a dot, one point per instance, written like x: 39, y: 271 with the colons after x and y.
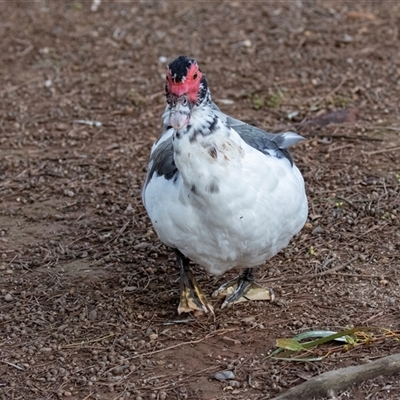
x: 88, y: 293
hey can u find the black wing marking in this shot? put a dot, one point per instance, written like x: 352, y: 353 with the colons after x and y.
x: 162, y: 162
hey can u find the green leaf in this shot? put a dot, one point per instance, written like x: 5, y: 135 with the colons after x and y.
x: 289, y: 344
x: 334, y: 336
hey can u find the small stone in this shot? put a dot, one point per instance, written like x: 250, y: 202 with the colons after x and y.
x: 92, y: 316
x: 383, y: 281
x: 224, y: 375
x: 129, y: 288
x: 46, y: 349
x: 62, y: 126
x: 347, y: 38
x: 317, y: 230
x: 308, y: 226
x: 69, y: 193
x: 142, y: 245
x: 153, y: 336
x: 8, y: 297
x: 248, y: 319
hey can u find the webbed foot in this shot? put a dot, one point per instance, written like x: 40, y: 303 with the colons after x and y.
x: 243, y: 288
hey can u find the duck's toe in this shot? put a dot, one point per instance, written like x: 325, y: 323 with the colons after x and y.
x: 243, y: 288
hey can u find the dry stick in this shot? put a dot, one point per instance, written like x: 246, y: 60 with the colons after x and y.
x: 119, y: 233
x: 218, y: 332
x: 174, y: 384
x: 332, y: 92
x: 348, y: 202
x: 370, y: 153
x: 389, y: 128
x: 372, y: 229
x: 13, y: 365
x: 345, y: 146
x: 328, y: 272
x: 358, y: 275
x: 340, y: 379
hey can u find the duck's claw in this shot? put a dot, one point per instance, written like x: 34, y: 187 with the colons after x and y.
x: 192, y: 297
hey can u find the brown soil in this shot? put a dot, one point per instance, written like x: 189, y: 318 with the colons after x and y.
x: 89, y: 295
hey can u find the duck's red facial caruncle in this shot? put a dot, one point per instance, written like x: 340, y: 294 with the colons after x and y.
x: 182, y: 90
x: 179, y: 84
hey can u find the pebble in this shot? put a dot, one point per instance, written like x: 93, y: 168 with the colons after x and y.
x: 46, y: 349
x: 8, y: 297
x: 224, y: 375
x: 61, y: 126
x: 317, y: 230
x: 153, y: 336
x: 142, y: 245
x: 69, y: 193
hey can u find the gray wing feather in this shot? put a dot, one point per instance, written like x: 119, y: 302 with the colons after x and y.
x: 270, y: 144
x: 162, y: 162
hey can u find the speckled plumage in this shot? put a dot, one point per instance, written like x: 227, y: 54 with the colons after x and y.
x: 222, y: 192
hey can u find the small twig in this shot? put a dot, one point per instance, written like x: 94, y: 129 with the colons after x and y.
x: 380, y: 314
x: 180, y: 321
x: 119, y: 233
x: 362, y: 276
x: 12, y: 260
x: 345, y: 146
x: 89, y: 122
x: 328, y: 272
x: 372, y: 229
x: 208, y: 369
x: 26, y: 51
x: 349, y: 137
x: 180, y: 344
x: 389, y: 149
x: 157, y: 94
x: 348, y: 202
x: 332, y: 92
x: 13, y: 365
x: 389, y: 128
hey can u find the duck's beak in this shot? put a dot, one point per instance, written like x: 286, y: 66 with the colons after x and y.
x: 180, y: 113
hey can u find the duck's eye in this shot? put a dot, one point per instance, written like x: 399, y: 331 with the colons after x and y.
x: 195, y: 76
